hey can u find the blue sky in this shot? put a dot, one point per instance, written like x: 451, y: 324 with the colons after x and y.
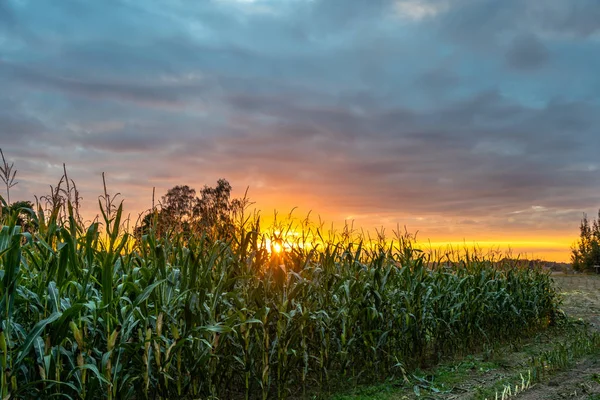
x: 454, y: 117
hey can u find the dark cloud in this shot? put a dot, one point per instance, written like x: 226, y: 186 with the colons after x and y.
x: 7, y: 18
x: 341, y: 14
x: 439, y: 80
x: 527, y: 53
x: 579, y: 18
x: 484, y: 22
x: 18, y: 125
x: 146, y: 93
x: 17, y: 129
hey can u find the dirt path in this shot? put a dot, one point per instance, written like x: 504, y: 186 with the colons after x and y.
x: 581, y: 296
x: 580, y: 382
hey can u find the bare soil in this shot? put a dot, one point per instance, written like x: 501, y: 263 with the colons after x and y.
x: 580, y: 382
x: 581, y: 296
x: 581, y: 299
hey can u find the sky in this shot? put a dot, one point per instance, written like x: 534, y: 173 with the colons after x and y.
x: 465, y: 120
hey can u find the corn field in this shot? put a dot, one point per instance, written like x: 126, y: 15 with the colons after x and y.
x: 92, y: 312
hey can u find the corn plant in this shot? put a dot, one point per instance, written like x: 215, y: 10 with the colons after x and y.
x: 94, y: 312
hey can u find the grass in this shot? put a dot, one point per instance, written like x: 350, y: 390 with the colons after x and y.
x: 92, y: 311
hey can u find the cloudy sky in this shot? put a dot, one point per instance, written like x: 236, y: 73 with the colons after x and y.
x: 475, y: 120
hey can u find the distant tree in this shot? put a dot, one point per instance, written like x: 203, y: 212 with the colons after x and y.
x: 586, y: 253
x: 179, y: 202
x: 214, y: 209
x: 212, y: 212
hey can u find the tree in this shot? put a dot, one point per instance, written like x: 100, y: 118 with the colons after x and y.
x: 211, y: 213
x: 586, y: 252
x: 179, y: 202
x: 213, y: 209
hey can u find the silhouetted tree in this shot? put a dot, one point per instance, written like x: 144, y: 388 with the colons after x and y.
x: 211, y: 213
x: 214, y: 208
x: 179, y: 202
x: 586, y: 252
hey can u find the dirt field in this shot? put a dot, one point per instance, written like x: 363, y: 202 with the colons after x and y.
x: 581, y: 295
x: 581, y: 300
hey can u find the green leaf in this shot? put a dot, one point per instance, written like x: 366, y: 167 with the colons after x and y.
x: 61, y: 327
x: 147, y: 292
x: 217, y: 328
x: 35, y: 332
x: 95, y: 371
